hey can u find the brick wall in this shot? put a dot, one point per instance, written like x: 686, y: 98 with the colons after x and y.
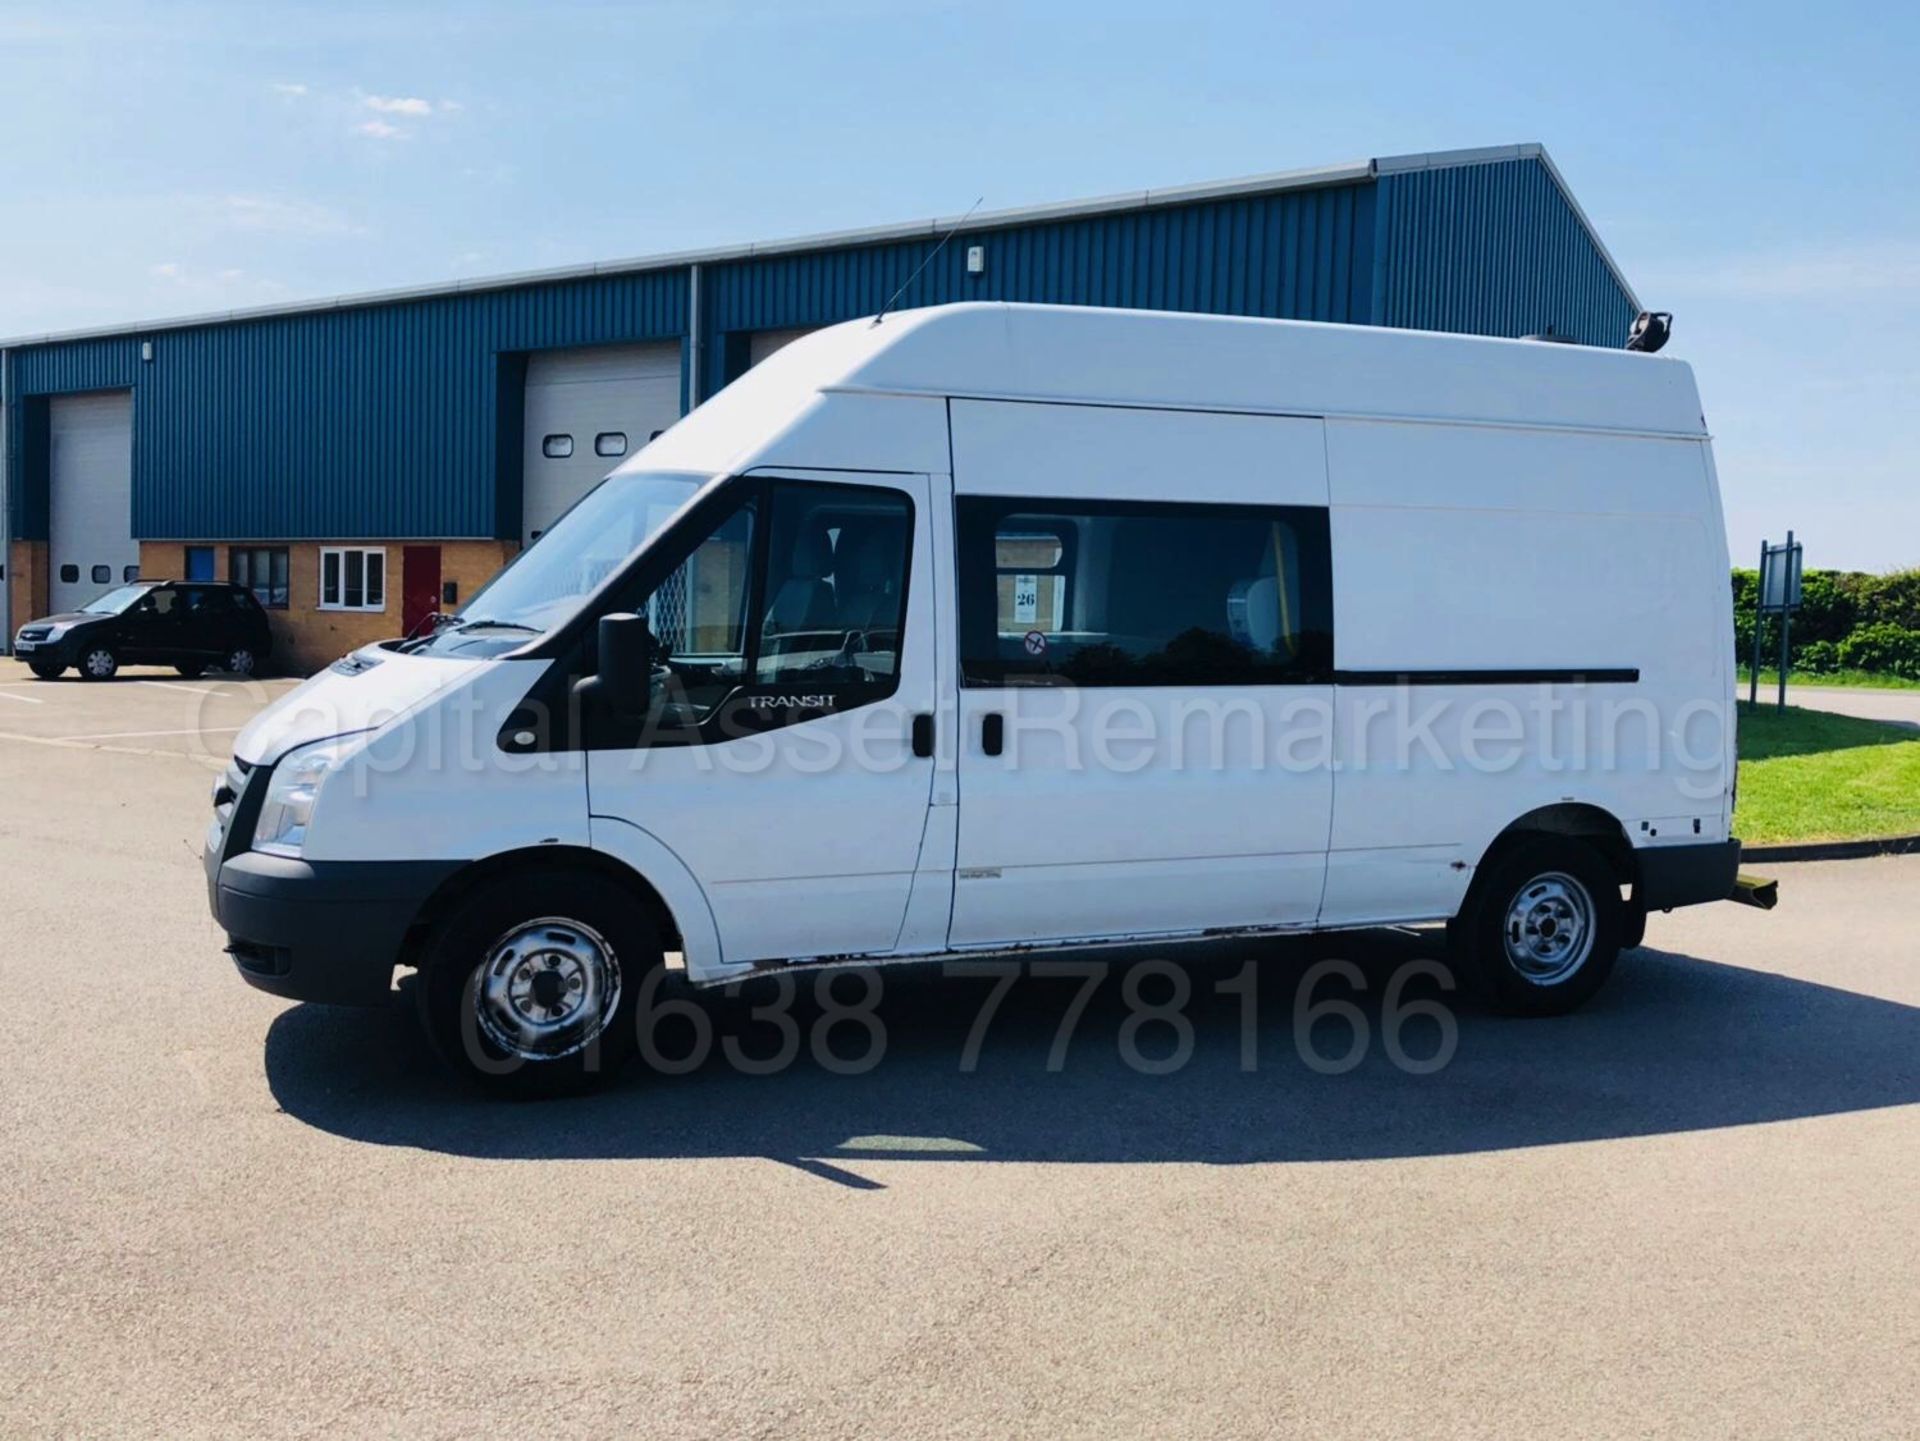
x: 305, y: 637
x: 29, y: 582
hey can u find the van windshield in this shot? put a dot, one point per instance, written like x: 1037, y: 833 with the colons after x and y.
x: 547, y: 581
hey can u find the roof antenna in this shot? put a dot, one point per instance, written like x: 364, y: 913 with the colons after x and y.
x: 958, y: 226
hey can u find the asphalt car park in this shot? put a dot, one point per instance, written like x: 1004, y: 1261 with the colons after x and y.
x: 142, y: 709
x: 1694, y: 1206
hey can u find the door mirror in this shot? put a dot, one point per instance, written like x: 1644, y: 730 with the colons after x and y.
x: 626, y: 664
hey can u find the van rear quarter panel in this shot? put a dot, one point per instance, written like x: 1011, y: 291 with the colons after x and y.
x: 1462, y: 548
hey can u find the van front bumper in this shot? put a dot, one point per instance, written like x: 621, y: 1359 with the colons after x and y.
x: 319, y: 930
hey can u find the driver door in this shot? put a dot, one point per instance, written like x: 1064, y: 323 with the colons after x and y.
x: 150, y: 625
x: 779, y: 759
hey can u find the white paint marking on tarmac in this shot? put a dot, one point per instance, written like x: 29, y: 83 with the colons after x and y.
x: 169, y: 685
x: 65, y: 743
x: 136, y: 735
x: 23, y: 699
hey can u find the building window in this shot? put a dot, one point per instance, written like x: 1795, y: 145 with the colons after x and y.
x: 69, y: 575
x: 199, y: 560
x: 103, y: 575
x: 262, y: 569
x: 557, y: 447
x: 610, y: 443
x: 1112, y: 593
x: 353, y: 578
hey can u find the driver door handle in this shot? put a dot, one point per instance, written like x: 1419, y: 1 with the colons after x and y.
x: 993, y: 733
x: 923, y: 736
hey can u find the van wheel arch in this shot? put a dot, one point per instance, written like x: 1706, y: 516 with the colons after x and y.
x: 490, y: 869
x: 1600, y: 829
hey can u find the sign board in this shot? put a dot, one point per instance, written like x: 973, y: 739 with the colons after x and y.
x: 1780, y: 576
x: 1779, y: 595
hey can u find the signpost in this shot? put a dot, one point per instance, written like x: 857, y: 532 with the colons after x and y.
x: 1779, y: 595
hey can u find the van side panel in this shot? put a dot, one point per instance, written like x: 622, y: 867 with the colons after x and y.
x: 838, y: 432
x: 1111, y: 453
x: 1131, y: 809
x: 432, y: 783
x: 1459, y: 549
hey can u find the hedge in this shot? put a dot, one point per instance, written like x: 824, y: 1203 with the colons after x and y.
x: 1847, y: 620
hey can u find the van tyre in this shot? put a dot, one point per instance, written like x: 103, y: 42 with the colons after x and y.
x: 528, y: 987
x: 192, y: 669
x: 1542, y: 927
x: 98, y: 662
x: 46, y: 669
x: 1633, y: 925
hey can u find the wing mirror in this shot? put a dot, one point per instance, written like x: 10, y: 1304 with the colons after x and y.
x: 624, y: 682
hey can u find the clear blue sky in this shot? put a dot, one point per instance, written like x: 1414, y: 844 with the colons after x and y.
x: 1756, y: 169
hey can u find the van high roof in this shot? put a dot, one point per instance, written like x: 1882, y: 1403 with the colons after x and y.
x: 1083, y: 355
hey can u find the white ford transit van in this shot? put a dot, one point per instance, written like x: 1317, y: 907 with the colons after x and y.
x: 994, y: 627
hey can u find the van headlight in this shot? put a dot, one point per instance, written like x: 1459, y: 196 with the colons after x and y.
x: 294, y: 786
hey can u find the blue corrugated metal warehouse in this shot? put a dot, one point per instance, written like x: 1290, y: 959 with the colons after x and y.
x: 361, y: 460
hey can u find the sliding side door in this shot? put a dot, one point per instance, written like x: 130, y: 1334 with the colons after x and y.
x: 1145, y: 644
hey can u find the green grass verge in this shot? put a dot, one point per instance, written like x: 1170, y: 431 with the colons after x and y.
x: 1850, y: 679
x: 1809, y: 776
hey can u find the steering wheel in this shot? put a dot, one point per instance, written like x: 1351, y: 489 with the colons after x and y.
x: 854, y: 642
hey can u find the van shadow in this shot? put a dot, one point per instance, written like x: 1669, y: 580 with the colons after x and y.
x: 1672, y: 1044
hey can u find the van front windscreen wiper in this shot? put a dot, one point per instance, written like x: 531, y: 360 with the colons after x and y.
x: 484, y: 623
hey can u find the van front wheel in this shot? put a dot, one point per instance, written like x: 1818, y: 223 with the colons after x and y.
x: 1541, y: 928
x: 528, y: 987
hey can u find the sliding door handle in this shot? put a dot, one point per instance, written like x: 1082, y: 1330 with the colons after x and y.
x: 993, y: 733
x: 923, y: 736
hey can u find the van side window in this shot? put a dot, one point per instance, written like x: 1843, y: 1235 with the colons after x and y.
x: 1112, y: 593
x: 699, y: 619
x: 800, y: 588
x: 836, y: 586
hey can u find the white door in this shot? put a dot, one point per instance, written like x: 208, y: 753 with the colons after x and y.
x: 763, y: 343
x: 586, y: 411
x: 90, y: 474
x: 779, y: 761
x: 1145, y: 645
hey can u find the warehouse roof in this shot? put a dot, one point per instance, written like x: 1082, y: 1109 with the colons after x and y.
x: 1319, y: 176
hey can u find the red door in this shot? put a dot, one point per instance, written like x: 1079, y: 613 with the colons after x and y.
x: 419, y: 585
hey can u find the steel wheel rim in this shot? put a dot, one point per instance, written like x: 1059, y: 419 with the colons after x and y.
x: 546, y: 989
x: 100, y: 663
x: 241, y: 662
x: 1549, y: 928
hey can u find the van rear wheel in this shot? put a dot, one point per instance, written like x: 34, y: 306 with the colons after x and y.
x: 528, y: 988
x: 1542, y: 927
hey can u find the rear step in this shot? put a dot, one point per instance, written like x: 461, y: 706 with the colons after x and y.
x: 1755, y: 891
